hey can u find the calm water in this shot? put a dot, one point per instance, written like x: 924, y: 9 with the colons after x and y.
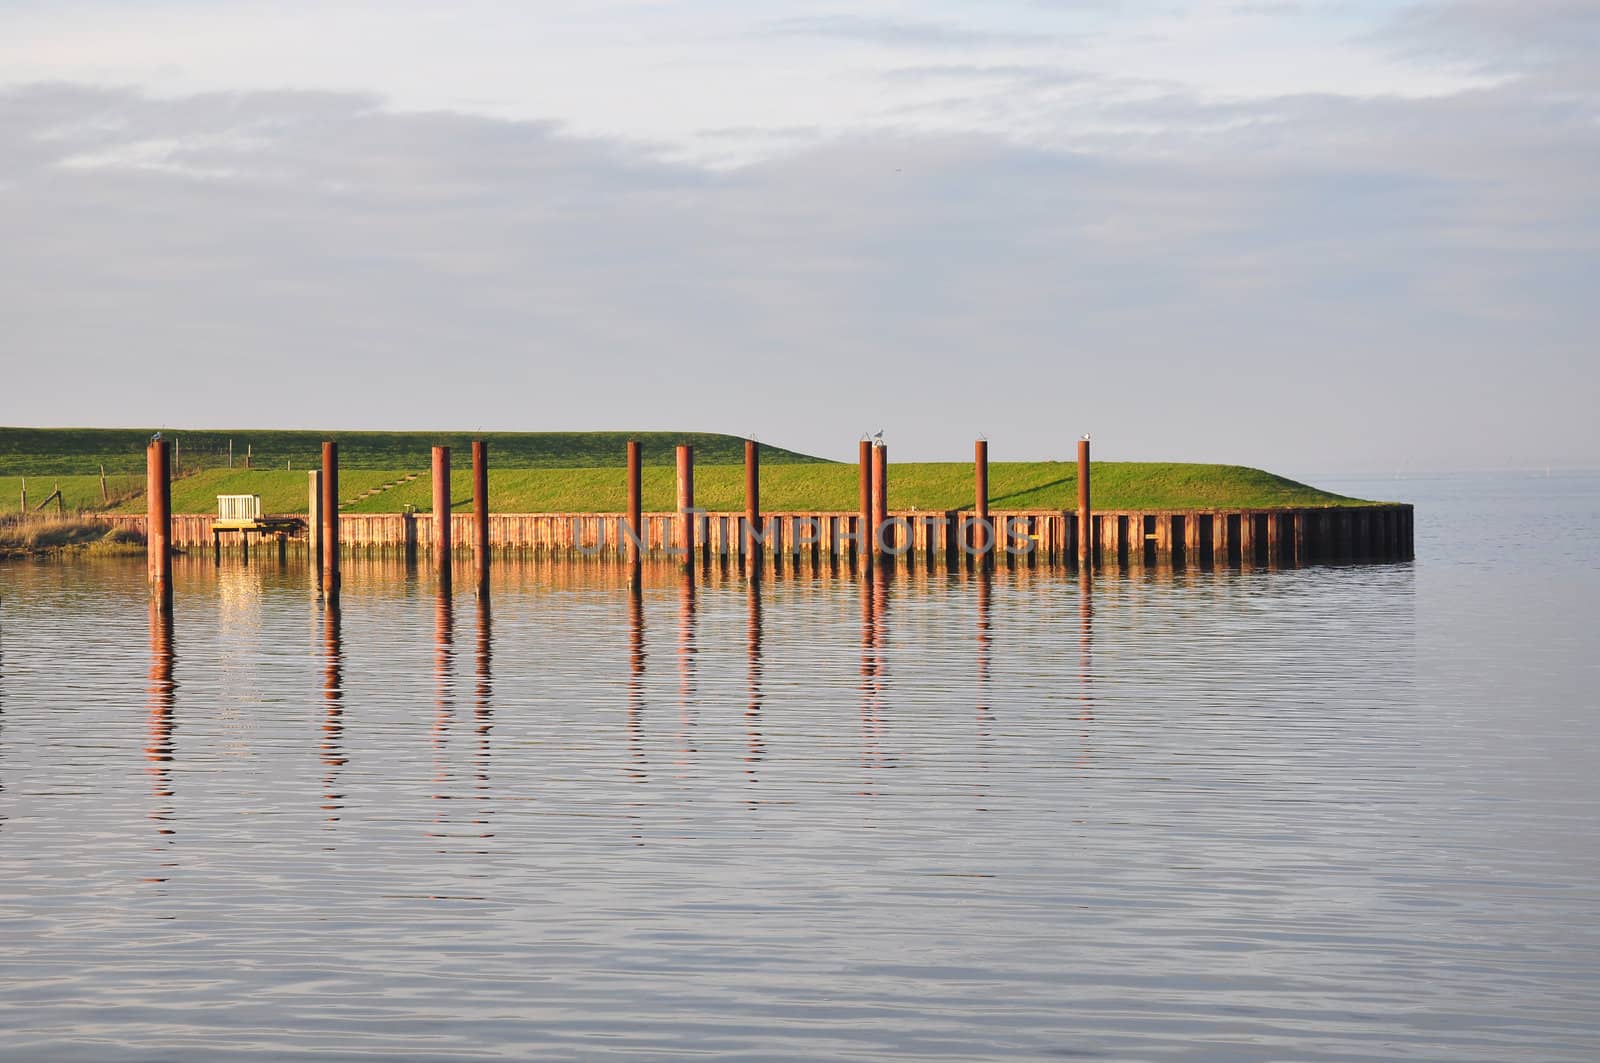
x: 1335, y: 813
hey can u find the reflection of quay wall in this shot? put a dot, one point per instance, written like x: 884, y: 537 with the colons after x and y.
x: 1126, y: 538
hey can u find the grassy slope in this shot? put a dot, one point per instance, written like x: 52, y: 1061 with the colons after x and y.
x: 79, y: 492
x: 926, y: 486
x: 64, y: 452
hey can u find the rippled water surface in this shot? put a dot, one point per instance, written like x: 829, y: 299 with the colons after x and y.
x: 1336, y: 813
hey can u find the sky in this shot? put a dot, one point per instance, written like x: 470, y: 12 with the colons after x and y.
x: 1340, y: 236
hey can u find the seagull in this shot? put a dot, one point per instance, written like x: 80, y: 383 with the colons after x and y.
x: 156, y: 438
x: 878, y: 437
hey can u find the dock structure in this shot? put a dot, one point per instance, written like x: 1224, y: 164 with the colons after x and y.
x: 1125, y: 539
x: 756, y: 540
x: 241, y: 515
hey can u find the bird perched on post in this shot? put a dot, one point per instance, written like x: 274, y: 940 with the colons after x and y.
x: 156, y: 438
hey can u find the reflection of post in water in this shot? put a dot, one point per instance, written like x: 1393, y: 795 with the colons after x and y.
x: 443, y: 701
x: 482, y: 709
x: 163, y: 688
x: 332, y: 748
x: 686, y: 655
x: 874, y: 607
x: 636, y: 657
x: 755, y: 748
x: 984, y: 578
x: 1085, y: 661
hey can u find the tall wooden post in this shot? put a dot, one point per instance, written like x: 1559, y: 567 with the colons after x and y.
x: 158, y: 521
x: 314, y: 519
x: 635, y: 505
x: 864, y: 543
x: 1085, y: 513
x: 480, y: 511
x: 686, y: 502
x: 880, y: 493
x: 330, y: 519
x: 441, y: 513
x: 752, y: 509
x: 983, y: 540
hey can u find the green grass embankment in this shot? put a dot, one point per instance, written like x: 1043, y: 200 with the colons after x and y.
x: 66, y: 452
x: 935, y: 486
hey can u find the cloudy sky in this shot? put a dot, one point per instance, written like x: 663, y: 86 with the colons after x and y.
x: 1314, y: 236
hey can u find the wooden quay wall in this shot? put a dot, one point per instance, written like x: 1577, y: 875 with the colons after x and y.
x: 1118, y: 538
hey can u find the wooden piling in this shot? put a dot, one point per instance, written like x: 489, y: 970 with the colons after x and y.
x: 480, y: 512
x: 1085, y: 513
x: 158, y: 522
x: 330, y: 519
x: 442, y: 544
x: 752, y: 509
x: 863, y: 544
x: 635, y: 515
x: 314, y: 519
x: 686, y: 502
x: 880, y: 498
x: 983, y: 541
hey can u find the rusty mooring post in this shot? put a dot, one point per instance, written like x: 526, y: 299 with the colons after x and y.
x: 752, y: 510
x: 330, y: 519
x: 635, y: 530
x: 314, y: 519
x: 158, y: 521
x: 480, y: 512
x: 983, y: 539
x: 441, y: 513
x: 864, y: 541
x: 1085, y: 521
x: 880, y: 498
x: 686, y: 503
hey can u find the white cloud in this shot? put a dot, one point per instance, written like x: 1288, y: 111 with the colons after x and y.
x: 662, y: 74
x: 1204, y: 225
x: 934, y: 283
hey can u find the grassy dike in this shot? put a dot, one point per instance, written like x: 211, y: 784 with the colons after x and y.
x: 933, y: 486
x: 575, y: 472
x: 71, y: 452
